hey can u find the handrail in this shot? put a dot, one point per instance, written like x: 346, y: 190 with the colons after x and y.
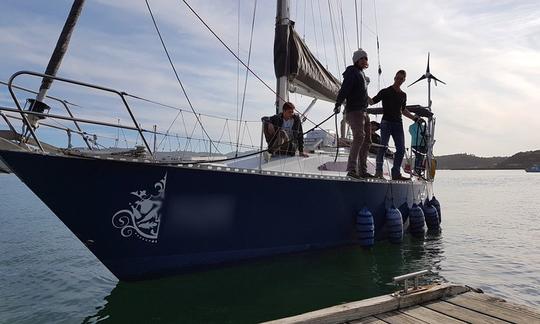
x: 405, y: 278
x: 83, y: 84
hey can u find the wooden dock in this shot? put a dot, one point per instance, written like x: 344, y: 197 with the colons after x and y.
x: 444, y: 303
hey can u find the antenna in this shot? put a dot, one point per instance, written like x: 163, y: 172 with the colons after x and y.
x: 429, y: 77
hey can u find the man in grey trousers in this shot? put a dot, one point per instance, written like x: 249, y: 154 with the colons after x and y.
x: 354, y: 91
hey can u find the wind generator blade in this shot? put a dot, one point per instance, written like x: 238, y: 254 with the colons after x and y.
x: 421, y: 78
x: 427, y: 69
x: 434, y: 78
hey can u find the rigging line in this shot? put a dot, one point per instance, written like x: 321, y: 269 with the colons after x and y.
x: 257, y: 152
x: 229, y: 49
x: 174, y: 69
x: 314, y: 30
x: 375, y: 12
x: 334, y: 38
x: 356, y: 15
x: 361, y: 20
x: 246, y: 129
x: 304, y: 21
x: 117, y: 135
x: 238, y: 70
x: 343, y: 34
x: 222, y: 132
x: 230, y: 137
x: 379, y: 70
x: 337, y: 138
x: 242, y: 62
x: 322, y: 33
x: 168, y: 129
x: 246, y: 77
x: 177, y: 108
x: 189, y: 137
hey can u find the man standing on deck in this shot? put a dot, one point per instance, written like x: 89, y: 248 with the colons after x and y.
x: 394, y: 102
x: 354, y: 91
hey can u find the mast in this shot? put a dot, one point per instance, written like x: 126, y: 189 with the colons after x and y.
x: 282, y: 86
x: 56, y: 59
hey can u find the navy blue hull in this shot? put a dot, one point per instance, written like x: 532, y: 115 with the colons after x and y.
x: 144, y: 220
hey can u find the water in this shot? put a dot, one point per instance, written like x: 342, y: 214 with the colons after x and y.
x: 489, y: 241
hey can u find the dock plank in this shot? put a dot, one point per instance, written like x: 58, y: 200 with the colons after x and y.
x: 430, y: 316
x: 441, y: 303
x: 377, y: 305
x: 493, y: 307
x: 462, y: 313
x: 397, y: 317
x: 503, y: 303
x: 368, y: 320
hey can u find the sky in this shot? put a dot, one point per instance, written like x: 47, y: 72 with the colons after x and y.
x: 488, y: 53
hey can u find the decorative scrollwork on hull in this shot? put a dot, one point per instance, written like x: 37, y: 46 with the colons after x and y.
x: 143, y: 217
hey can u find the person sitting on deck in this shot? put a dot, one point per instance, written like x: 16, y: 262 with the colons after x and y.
x: 283, y: 132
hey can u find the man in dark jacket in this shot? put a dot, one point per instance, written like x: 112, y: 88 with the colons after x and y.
x: 354, y: 91
x: 284, y: 132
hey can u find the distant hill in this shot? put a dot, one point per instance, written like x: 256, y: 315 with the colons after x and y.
x: 521, y: 160
x: 468, y: 161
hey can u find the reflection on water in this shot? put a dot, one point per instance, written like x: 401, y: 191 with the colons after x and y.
x: 272, y: 288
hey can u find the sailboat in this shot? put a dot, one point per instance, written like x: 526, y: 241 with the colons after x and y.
x: 143, y: 217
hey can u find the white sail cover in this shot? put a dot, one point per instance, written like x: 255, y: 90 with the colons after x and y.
x: 307, y: 76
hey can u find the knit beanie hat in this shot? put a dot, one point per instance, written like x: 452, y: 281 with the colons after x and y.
x: 358, y: 55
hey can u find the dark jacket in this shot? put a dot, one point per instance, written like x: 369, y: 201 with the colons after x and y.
x: 353, y: 89
x: 298, y: 133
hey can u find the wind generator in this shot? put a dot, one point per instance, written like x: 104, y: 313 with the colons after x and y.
x: 431, y: 122
x: 429, y: 77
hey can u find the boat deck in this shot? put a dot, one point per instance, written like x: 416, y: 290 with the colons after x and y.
x: 444, y: 303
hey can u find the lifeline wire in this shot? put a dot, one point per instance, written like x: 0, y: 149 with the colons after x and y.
x: 254, y: 153
x: 222, y: 160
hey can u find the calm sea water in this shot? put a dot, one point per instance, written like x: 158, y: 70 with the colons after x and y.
x: 490, y: 240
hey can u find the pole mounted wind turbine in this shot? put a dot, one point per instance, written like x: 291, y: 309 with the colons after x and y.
x: 430, y: 129
x: 429, y: 77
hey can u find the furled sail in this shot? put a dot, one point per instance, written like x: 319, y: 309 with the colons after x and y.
x: 307, y: 76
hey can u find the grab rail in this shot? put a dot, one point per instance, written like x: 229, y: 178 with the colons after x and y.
x: 63, y: 102
x: 83, y: 84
